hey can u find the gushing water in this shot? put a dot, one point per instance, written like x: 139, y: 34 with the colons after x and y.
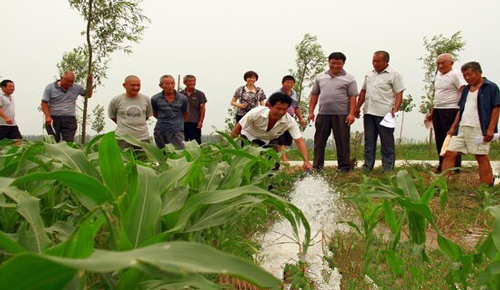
x: 321, y: 207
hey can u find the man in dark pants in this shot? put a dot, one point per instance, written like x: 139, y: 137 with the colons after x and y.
x: 336, y: 91
x: 381, y: 94
x: 170, y: 108
x: 448, y: 83
x: 8, y: 126
x: 196, y: 115
x: 59, y: 106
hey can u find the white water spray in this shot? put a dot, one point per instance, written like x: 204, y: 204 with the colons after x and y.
x: 321, y: 207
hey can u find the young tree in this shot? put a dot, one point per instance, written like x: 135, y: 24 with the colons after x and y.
x: 110, y: 24
x: 406, y: 106
x: 98, y: 121
x: 435, y: 46
x: 310, y: 62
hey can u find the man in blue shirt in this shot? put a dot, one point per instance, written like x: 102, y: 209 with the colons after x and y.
x: 476, y: 121
x: 171, y: 109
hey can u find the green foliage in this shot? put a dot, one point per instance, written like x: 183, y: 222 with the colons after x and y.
x: 111, y: 25
x: 435, y: 46
x: 404, y: 203
x: 310, y: 61
x: 72, y: 213
x: 97, y: 119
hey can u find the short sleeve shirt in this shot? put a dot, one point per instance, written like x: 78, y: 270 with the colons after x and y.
x: 254, y: 125
x: 131, y: 114
x: 381, y: 89
x: 8, y: 107
x: 62, y: 103
x: 334, y: 92
x: 170, y: 115
x: 251, y: 98
x: 195, y: 100
x: 448, y: 89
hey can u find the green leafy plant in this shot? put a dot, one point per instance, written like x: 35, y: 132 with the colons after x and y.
x: 79, y: 214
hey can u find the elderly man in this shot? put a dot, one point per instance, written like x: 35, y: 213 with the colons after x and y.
x: 448, y: 85
x: 59, y: 106
x: 477, y: 118
x: 197, y: 101
x: 336, y: 91
x: 264, y: 124
x: 171, y: 109
x: 8, y: 126
x: 381, y: 94
x: 130, y: 111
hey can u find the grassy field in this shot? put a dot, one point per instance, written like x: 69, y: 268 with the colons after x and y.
x: 417, y: 151
x: 463, y: 220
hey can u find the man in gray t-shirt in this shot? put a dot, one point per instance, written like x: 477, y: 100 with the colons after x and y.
x: 59, y: 106
x: 130, y: 111
x: 336, y: 91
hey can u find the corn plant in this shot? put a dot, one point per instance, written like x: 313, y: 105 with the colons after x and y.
x: 71, y: 212
x: 404, y: 203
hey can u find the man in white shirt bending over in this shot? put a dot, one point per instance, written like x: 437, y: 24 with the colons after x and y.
x: 264, y: 124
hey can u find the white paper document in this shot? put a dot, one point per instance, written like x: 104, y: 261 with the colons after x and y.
x: 389, y: 121
x: 479, y: 140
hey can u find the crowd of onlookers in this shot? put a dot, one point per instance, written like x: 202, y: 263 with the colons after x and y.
x: 464, y: 113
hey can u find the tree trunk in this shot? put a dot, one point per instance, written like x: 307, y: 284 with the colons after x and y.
x: 88, y: 86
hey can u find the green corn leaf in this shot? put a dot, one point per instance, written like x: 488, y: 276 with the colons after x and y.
x: 28, y: 207
x: 390, y: 218
x: 352, y: 225
x: 452, y: 250
x: 417, y: 227
x: 151, y: 150
x: 495, y: 233
x: 229, y: 139
x: 72, y: 158
x: 81, y: 242
x: 406, y: 183
x: 394, y: 262
x: 174, y: 200
x: 173, y: 177
x: 30, y: 271
x: 111, y: 165
x: 141, y: 219
x: 10, y: 245
x: 89, y: 190
x: 219, y: 214
x: 174, y: 257
x: 181, y: 282
x: 215, y: 174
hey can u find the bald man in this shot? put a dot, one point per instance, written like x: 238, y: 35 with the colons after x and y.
x: 130, y: 111
x: 448, y: 85
x: 59, y: 107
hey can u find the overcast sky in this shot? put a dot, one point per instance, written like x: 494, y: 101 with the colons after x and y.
x: 219, y: 40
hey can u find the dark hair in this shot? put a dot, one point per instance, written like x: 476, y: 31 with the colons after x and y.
x: 250, y: 74
x: 337, y: 55
x: 4, y: 83
x: 287, y: 78
x: 473, y: 65
x: 279, y: 97
x: 384, y: 53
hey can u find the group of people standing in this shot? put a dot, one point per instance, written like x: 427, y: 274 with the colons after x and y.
x: 466, y: 106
